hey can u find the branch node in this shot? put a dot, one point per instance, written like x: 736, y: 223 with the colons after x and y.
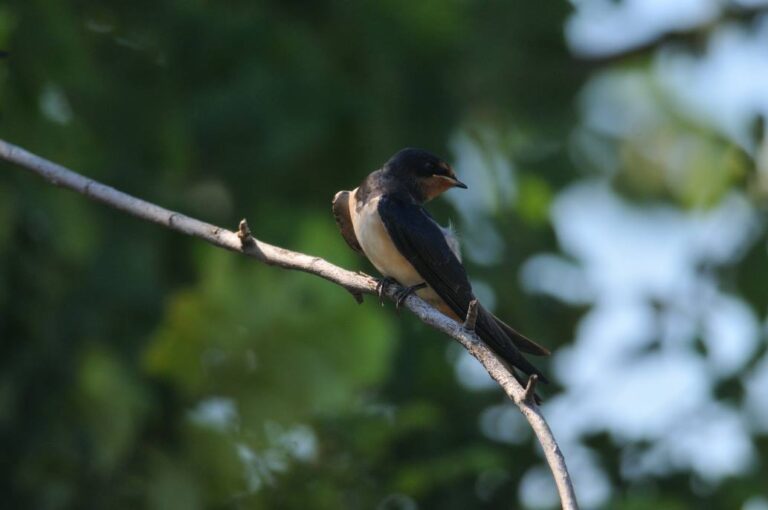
x: 244, y: 233
x: 469, y: 321
x: 529, y: 396
x: 356, y: 294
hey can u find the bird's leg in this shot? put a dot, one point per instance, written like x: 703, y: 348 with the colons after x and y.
x: 381, y: 286
x: 407, y: 291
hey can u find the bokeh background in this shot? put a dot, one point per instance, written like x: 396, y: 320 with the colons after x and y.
x: 617, y: 162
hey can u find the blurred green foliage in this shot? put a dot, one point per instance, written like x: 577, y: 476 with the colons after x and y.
x: 141, y: 369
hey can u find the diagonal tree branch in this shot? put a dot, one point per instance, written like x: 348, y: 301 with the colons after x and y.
x: 358, y: 284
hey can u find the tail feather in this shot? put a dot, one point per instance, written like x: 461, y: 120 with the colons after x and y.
x: 521, y: 341
x: 502, y: 344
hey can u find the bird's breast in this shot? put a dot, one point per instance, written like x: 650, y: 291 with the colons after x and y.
x: 378, y: 245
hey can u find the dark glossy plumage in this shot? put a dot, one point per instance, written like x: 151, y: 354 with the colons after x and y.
x: 385, y: 220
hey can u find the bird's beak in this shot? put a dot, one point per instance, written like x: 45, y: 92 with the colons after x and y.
x: 458, y: 184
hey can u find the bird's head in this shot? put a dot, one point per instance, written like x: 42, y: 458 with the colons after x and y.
x: 422, y: 173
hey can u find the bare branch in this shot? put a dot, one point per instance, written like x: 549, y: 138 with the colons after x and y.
x: 357, y: 283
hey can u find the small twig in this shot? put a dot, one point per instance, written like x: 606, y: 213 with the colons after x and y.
x: 244, y: 233
x: 353, y: 282
x: 530, y: 389
x: 471, y: 319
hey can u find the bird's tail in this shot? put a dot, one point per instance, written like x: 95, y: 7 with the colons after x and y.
x: 507, y: 343
x: 521, y: 341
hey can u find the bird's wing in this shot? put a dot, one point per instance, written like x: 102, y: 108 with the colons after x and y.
x: 344, y: 220
x: 420, y: 240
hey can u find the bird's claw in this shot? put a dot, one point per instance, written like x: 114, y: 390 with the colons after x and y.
x: 381, y: 286
x: 401, y: 295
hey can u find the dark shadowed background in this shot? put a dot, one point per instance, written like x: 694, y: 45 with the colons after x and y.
x: 617, y: 162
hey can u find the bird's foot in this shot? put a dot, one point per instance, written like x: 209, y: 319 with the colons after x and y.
x: 401, y: 295
x: 381, y: 286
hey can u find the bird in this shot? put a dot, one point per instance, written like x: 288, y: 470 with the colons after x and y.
x: 384, y: 219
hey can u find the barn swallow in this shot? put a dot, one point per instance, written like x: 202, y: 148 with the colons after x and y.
x: 384, y: 220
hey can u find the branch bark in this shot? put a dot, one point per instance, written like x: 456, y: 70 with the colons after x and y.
x: 356, y: 283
